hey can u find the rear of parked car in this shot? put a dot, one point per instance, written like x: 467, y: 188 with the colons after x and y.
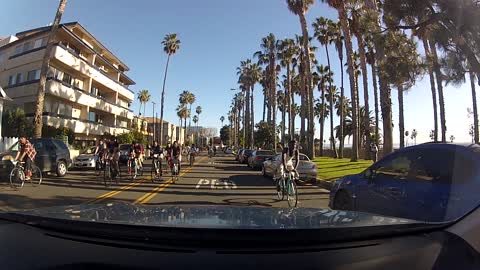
x: 245, y: 155
x: 255, y: 161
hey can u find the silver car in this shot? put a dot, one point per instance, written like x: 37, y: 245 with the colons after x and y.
x: 306, y: 168
x: 86, y: 159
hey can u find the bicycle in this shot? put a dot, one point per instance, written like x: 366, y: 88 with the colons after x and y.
x: 98, y: 165
x: 18, y: 177
x: 192, y: 159
x: 286, y: 186
x: 156, y: 169
x: 134, y: 169
x: 109, y: 173
x: 174, y: 170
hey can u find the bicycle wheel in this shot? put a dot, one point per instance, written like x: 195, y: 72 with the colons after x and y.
x: 280, y: 189
x: 36, y: 176
x: 17, y: 178
x: 98, y: 168
x: 174, y: 173
x: 107, y: 174
x: 292, y: 193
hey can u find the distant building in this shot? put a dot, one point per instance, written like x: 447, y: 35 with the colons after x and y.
x: 87, y: 88
x: 171, y: 132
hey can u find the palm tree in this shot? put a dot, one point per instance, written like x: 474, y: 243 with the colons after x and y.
x: 348, y: 128
x: 332, y: 93
x: 268, y: 56
x: 337, y: 39
x: 38, y: 118
x: 339, y: 5
x: 198, y: 110
x: 371, y: 61
x: 222, y: 118
x: 287, y: 53
x: 439, y: 77
x: 183, y: 113
x: 171, y: 44
x: 357, y: 28
x: 299, y: 8
x: 322, y: 76
x: 144, y: 97
x: 187, y: 98
x: 195, y: 121
x: 254, y: 76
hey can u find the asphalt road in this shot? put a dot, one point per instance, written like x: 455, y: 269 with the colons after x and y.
x: 221, y: 182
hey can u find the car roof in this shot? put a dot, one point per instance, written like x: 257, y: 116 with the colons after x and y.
x: 472, y: 148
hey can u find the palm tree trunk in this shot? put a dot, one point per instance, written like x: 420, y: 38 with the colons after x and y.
x: 274, y: 100
x: 244, y: 126
x: 342, y: 112
x: 190, y: 120
x: 322, y: 119
x: 252, y: 119
x: 441, y: 100
x: 401, y: 119
x: 38, y: 118
x: 284, y: 112
x: 332, y: 137
x: 144, y: 105
x: 247, y: 117
x: 163, y: 101
x: 366, y: 119
x: 308, y: 82
x: 289, y: 98
x: 264, y: 107
x: 375, y: 96
x: 385, y: 92
x: 475, y: 111
x: 348, y: 45
x: 302, y: 106
x: 432, y: 86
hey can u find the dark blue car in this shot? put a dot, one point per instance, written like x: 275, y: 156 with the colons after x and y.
x: 431, y: 182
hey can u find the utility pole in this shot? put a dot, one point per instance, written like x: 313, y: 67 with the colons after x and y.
x: 154, y: 120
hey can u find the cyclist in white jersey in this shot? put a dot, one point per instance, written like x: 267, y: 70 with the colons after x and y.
x: 290, y: 155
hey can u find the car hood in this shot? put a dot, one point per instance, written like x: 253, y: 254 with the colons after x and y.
x: 6, y: 156
x: 214, y: 217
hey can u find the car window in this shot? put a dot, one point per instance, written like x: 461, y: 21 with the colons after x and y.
x: 39, y: 145
x: 263, y: 153
x: 14, y: 147
x: 60, y: 144
x: 90, y: 150
x: 445, y: 166
x: 397, y: 166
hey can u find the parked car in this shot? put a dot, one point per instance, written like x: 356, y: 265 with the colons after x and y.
x: 228, y: 150
x: 255, y: 161
x: 439, y: 181
x: 86, y: 159
x: 52, y: 156
x: 239, y: 152
x: 246, y: 153
x: 307, y: 170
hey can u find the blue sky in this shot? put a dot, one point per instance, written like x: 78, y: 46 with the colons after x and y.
x: 216, y: 35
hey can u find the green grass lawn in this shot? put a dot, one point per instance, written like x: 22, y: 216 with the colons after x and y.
x: 330, y: 169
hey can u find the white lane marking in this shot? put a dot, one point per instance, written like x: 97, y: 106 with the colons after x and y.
x: 216, y: 184
x: 213, y: 183
x: 202, y: 182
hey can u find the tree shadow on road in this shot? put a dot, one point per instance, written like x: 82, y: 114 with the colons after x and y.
x: 10, y: 202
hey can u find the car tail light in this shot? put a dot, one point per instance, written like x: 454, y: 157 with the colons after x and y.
x: 314, y: 166
x: 259, y: 158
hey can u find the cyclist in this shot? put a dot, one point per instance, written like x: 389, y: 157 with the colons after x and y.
x: 156, y: 154
x: 192, y: 151
x: 210, y: 151
x: 214, y: 151
x: 135, y: 154
x: 285, y: 164
x: 27, y: 154
x: 174, y: 154
x: 114, y: 155
x: 100, y: 151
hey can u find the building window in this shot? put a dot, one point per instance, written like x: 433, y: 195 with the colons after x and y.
x: 93, y: 90
x: 28, y: 46
x: 11, y: 80
x: 67, y: 78
x: 33, y: 75
x: 92, y: 116
x: 18, y: 49
x: 39, y: 43
x: 58, y: 74
x: 19, y: 78
x: 2, y: 57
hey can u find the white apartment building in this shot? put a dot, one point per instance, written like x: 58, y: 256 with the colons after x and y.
x: 87, y: 88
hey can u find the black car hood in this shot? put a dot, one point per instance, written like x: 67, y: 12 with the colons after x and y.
x: 214, y: 217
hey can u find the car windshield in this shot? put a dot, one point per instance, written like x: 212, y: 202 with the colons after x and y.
x: 89, y: 151
x: 379, y: 98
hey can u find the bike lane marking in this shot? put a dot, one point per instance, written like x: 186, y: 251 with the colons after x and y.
x: 148, y: 196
